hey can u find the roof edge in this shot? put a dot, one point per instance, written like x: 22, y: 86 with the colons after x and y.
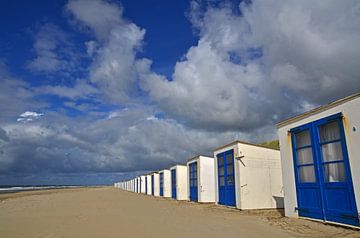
x: 316, y: 110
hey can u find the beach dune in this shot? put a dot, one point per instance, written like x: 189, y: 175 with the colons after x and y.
x: 110, y: 212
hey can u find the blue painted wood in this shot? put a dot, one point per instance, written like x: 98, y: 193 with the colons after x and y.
x: 193, y: 180
x: 173, y: 183
x: 146, y: 185
x: 152, y: 185
x: 161, y: 181
x: 226, y: 178
x: 322, y: 199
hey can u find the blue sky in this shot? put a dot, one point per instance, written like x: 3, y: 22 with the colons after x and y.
x: 96, y: 91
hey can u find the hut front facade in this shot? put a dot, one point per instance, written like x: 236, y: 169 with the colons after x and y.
x: 179, y: 185
x: 320, y: 162
x: 201, y: 180
x: 165, y: 183
x: 148, y: 187
x: 142, y: 184
x: 248, y: 176
x: 155, y: 191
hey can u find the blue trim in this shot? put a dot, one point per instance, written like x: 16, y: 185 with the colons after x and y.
x: 329, y: 201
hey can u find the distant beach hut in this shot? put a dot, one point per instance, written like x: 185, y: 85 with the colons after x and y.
x: 148, y: 187
x: 248, y: 176
x: 155, y: 191
x: 179, y: 186
x: 201, y: 180
x: 165, y: 183
x: 142, y: 184
x: 321, y: 164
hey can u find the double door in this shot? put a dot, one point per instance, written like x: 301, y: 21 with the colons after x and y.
x: 322, y: 172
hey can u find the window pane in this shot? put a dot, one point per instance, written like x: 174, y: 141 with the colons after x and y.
x: 303, y: 138
x: 306, y: 174
x: 222, y: 181
x: 334, y: 172
x: 229, y: 158
x: 230, y: 169
x: 332, y: 152
x: 329, y: 131
x: 221, y: 160
x: 230, y: 180
x: 221, y: 171
x: 304, y: 156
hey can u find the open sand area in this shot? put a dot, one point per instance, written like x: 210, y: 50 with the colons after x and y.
x: 109, y: 212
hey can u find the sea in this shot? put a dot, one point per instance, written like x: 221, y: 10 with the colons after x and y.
x: 15, y: 189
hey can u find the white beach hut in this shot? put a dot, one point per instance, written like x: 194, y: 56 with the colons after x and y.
x: 248, y: 176
x: 155, y: 184
x: 179, y: 185
x: 148, y: 184
x: 320, y: 162
x: 165, y: 183
x: 201, y: 180
x: 142, y: 184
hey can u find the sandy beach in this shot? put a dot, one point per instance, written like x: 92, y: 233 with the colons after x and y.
x: 110, y: 212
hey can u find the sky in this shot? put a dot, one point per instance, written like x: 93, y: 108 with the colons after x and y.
x: 98, y: 91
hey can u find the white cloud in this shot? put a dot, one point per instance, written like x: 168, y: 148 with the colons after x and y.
x: 117, y: 42
x: 269, y: 62
x: 54, y: 52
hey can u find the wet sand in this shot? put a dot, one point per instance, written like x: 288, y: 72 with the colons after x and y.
x: 110, y: 212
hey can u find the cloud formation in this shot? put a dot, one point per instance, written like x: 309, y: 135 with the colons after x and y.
x: 114, y: 51
x: 254, y: 64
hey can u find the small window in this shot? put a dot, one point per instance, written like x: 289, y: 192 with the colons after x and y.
x: 332, y: 152
x: 304, y: 156
x: 335, y: 172
x: 221, y: 171
x: 230, y: 169
x: 230, y: 180
x: 306, y: 174
x: 303, y: 138
x: 329, y: 132
x: 229, y: 158
x: 221, y: 161
x: 222, y: 181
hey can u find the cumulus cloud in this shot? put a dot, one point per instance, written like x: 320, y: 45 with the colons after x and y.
x: 54, y: 52
x: 260, y: 63
x: 114, y: 51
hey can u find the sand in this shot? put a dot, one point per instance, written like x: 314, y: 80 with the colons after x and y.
x: 109, y: 212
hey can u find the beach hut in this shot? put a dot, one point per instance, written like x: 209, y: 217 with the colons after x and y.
x: 142, y: 184
x: 179, y: 186
x: 320, y: 162
x: 155, y: 184
x: 248, y: 176
x: 148, y: 187
x: 201, y: 180
x: 165, y: 183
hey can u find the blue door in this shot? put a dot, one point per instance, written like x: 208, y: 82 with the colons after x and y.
x: 226, y: 178
x: 161, y: 179
x: 146, y: 187
x: 193, y: 182
x: 173, y: 183
x: 140, y: 183
x: 322, y: 172
x: 152, y: 184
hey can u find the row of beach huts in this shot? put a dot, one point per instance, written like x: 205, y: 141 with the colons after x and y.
x: 315, y: 175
